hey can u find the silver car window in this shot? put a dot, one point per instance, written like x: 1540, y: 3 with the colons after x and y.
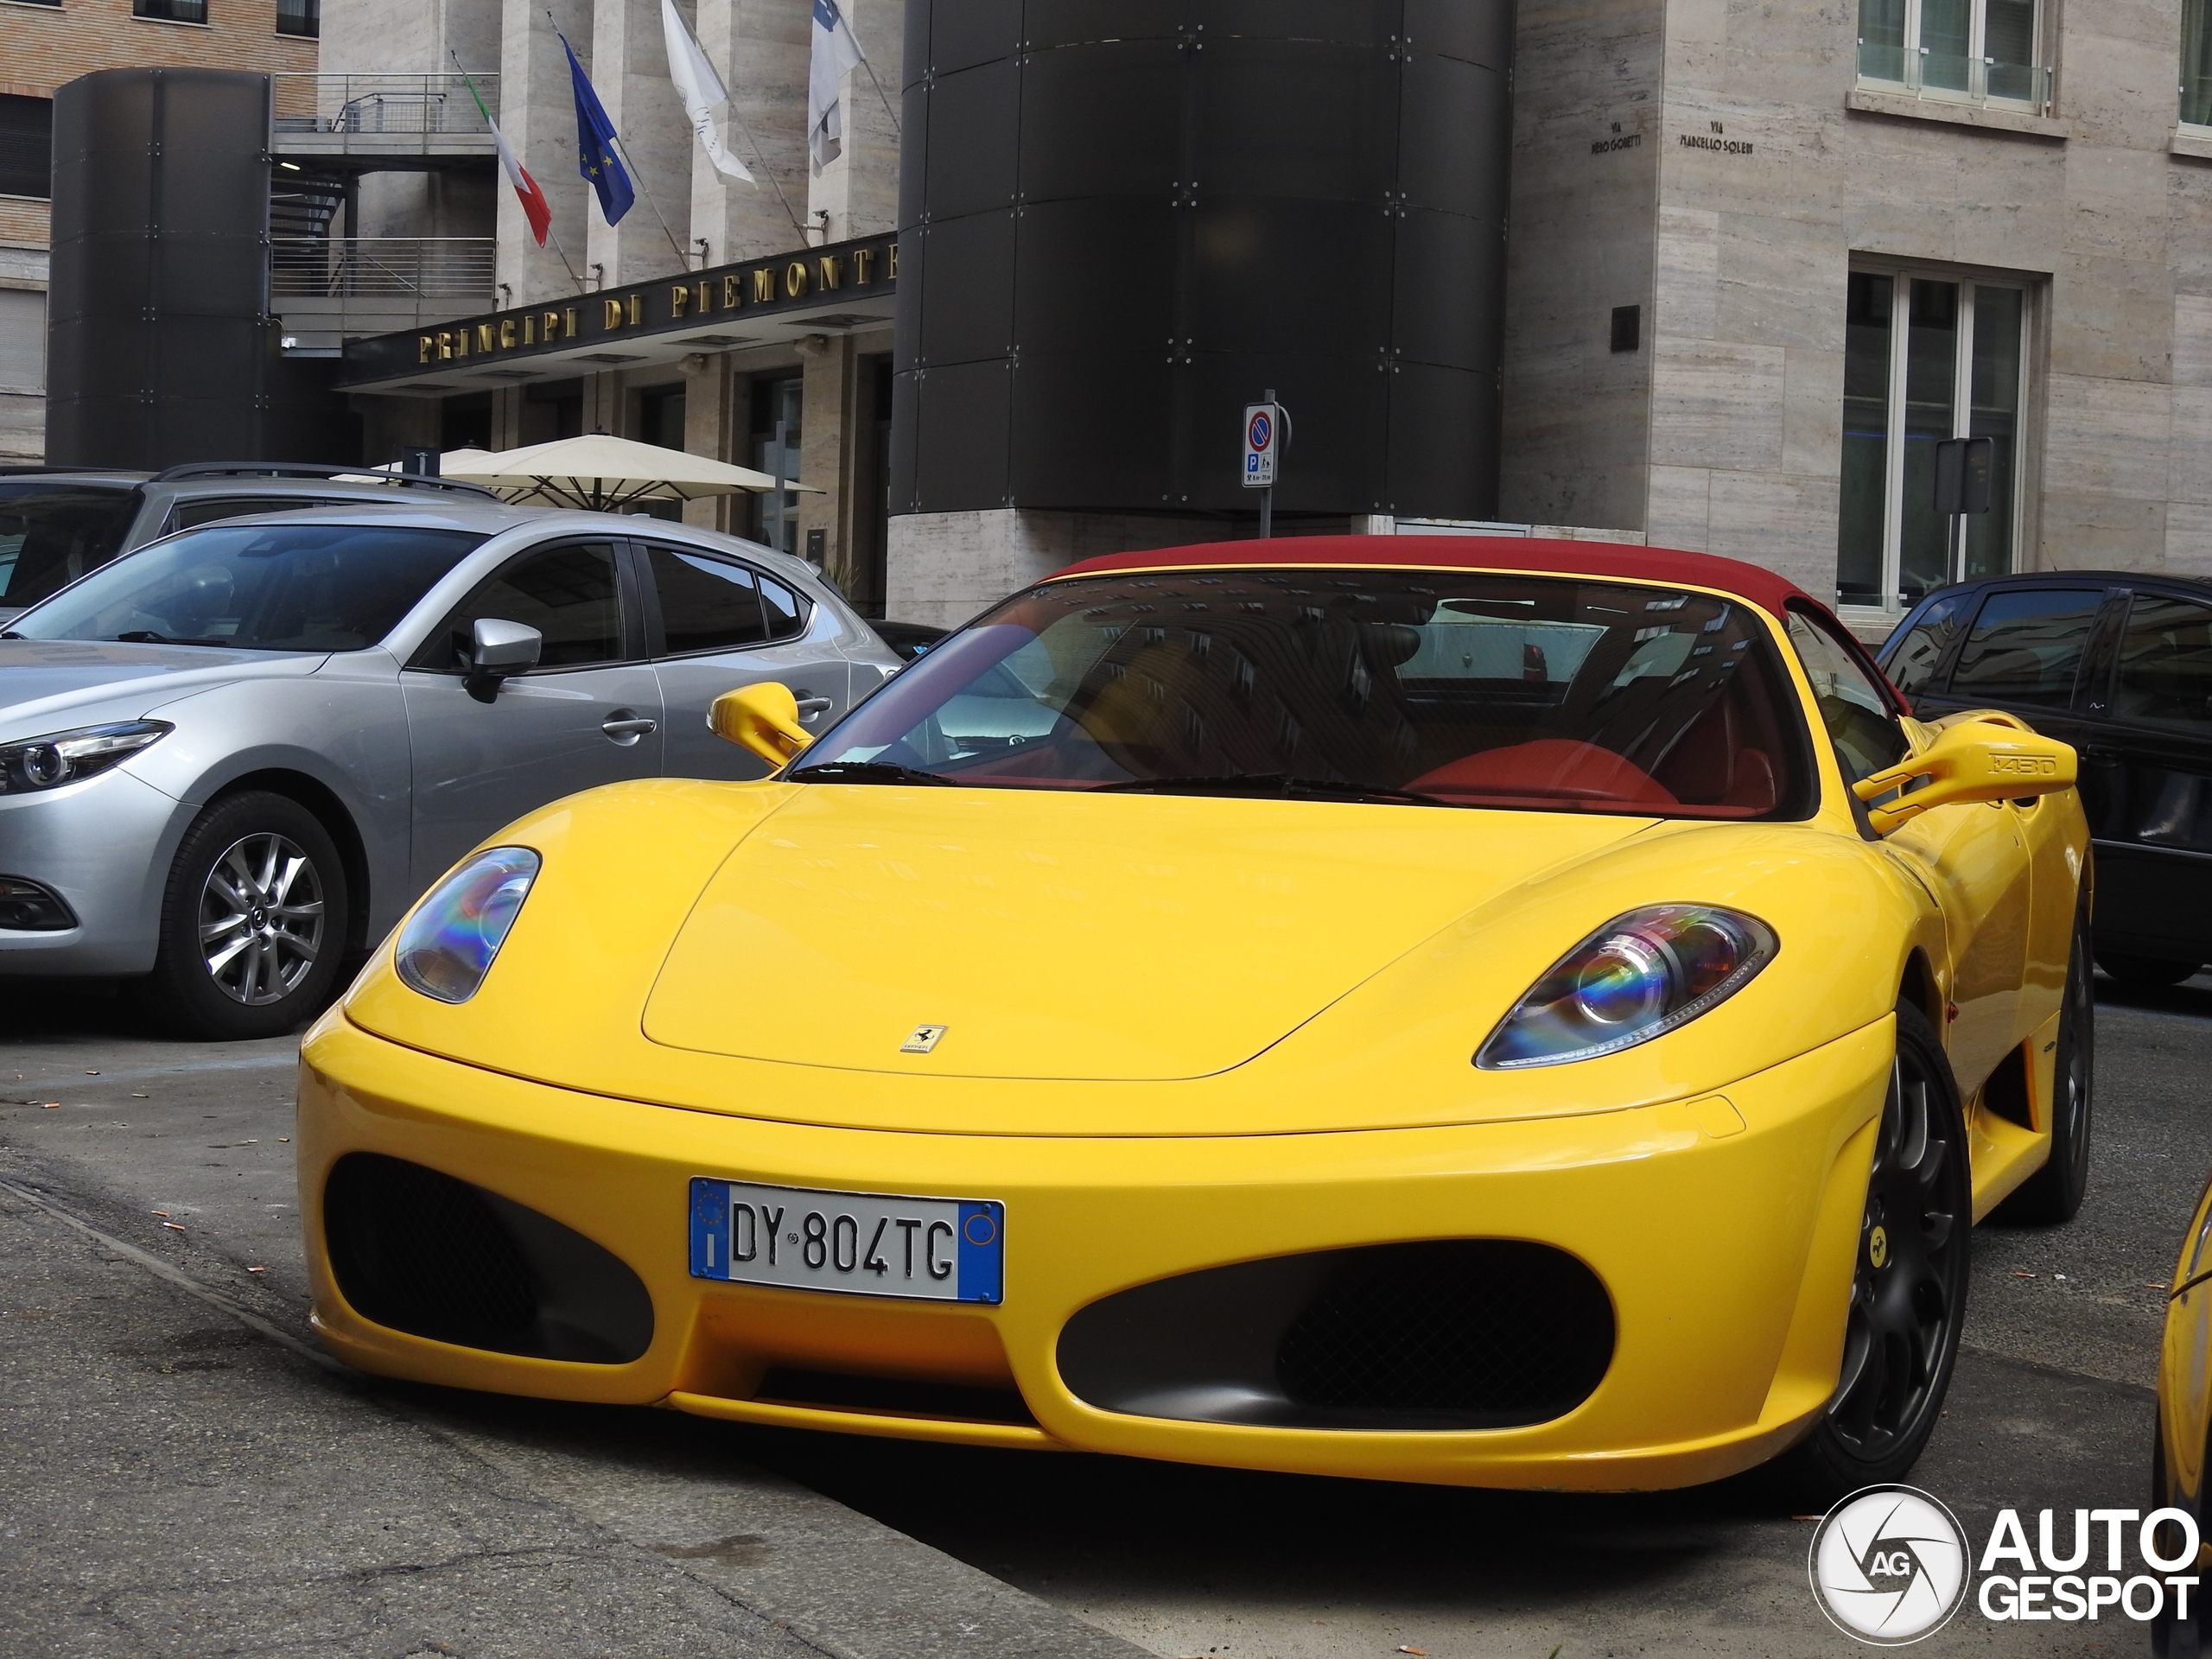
x: 256, y: 587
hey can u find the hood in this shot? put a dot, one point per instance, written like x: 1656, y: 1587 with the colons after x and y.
x: 43, y: 677
x: 1056, y: 935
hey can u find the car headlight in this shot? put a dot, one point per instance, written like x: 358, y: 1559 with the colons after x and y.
x: 1639, y: 977
x: 35, y: 763
x: 448, y: 944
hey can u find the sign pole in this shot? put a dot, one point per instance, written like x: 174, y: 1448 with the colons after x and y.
x: 1263, y: 436
x: 1966, y: 470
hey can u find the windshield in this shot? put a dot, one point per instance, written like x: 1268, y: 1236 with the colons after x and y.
x: 1444, y: 687
x: 256, y: 587
x: 51, y: 534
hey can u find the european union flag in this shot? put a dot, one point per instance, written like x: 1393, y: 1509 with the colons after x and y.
x: 596, y: 153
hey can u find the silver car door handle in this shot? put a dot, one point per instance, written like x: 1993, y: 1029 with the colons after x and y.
x: 810, y: 707
x: 633, y: 726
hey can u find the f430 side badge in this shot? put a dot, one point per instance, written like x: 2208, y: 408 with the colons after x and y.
x: 924, y: 1038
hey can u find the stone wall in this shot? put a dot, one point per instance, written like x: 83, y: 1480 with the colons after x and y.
x: 1747, y: 232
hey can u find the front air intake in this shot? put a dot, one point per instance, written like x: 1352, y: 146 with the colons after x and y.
x: 424, y: 1253
x: 1438, y: 1335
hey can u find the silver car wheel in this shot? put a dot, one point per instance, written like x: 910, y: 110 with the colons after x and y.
x: 261, y: 919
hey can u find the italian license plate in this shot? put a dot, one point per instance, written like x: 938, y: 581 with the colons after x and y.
x: 860, y: 1243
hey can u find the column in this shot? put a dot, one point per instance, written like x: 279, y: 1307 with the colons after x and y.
x: 760, y: 50
x: 825, y: 448
x: 629, y: 66
x: 859, y: 188
x: 710, y: 428
x: 536, y: 114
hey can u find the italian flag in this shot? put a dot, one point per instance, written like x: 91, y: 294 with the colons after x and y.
x: 534, y: 206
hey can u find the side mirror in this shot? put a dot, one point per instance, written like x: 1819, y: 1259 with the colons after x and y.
x: 498, y: 648
x: 1984, y: 757
x: 763, y: 718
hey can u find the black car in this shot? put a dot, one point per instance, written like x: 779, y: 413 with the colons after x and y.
x: 2120, y: 665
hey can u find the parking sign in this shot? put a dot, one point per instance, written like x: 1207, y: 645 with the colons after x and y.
x: 1262, y: 427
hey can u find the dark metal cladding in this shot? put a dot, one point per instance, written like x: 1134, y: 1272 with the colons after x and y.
x: 159, y: 340
x: 1120, y: 220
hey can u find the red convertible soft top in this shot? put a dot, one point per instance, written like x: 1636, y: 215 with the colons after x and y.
x: 1762, y: 587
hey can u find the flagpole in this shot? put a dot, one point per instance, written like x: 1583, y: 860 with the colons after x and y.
x: 559, y: 250
x: 874, y: 82
x: 853, y: 36
x: 761, y: 156
x: 682, y: 259
x: 637, y: 172
x: 563, y: 252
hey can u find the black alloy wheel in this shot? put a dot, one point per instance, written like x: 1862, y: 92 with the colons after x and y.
x: 2053, y: 1194
x: 255, y: 921
x: 2146, y: 973
x: 1909, y: 1295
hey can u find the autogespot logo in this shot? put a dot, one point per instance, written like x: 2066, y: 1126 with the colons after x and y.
x: 1890, y: 1566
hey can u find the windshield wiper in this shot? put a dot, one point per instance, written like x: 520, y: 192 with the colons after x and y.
x: 148, y: 637
x: 863, y: 772
x: 1274, y: 783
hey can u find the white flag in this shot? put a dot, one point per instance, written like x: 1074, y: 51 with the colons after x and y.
x: 700, y: 88
x: 835, y: 55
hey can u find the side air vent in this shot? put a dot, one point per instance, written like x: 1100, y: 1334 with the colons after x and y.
x: 432, y: 1256
x: 1445, y: 1334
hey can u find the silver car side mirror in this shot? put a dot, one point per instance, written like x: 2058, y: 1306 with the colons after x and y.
x: 497, y: 649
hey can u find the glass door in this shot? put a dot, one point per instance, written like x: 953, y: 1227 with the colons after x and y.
x: 1926, y: 358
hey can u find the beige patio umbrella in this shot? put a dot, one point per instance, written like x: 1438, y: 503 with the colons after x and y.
x: 603, y: 475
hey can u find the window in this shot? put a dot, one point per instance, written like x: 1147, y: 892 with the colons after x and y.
x: 52, y: 534
x: 567, y: 593
x: 26, y: 146
x: 1973, y: 51
x: 1451, y: 688
x: 299, y: 18
x: 174, y: 11
x: 2196, y: 62
x: 2027, y: 647
x: 189, y: 513
x: 706, y: 604
x: 2165, y: 663
x: 1912, y: 665
x: 785, y: 610
x: 777, y: 406
x: 1926, y: 357
x: 258, y: 588
x: 1866, y: 735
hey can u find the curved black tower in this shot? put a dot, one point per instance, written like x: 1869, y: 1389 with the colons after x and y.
x: 159, y: 340
x: 1120, y: 220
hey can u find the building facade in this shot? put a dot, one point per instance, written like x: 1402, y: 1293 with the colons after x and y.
x: 1835, y: 235
x: 1759, y: 261
x: 799, y: 386
x: 48, y: 45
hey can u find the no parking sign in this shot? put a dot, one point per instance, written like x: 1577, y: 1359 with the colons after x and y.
x: 1262, y: 430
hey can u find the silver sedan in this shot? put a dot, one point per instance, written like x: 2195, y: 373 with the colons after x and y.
x: 231, y: 760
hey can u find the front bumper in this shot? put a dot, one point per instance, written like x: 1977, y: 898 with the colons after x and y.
x: 1724, y: 1231
x: 105, y: 846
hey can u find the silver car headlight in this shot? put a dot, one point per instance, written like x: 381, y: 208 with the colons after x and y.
x: 34, y: 763
x: 1640, y: 976
x: 450, y: 942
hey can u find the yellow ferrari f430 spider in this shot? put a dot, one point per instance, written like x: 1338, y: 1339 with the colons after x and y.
x: 1502, y: 1012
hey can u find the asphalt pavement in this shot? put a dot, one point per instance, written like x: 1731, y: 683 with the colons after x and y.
x: 181, y: 1472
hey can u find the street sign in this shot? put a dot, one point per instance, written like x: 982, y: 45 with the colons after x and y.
x: 1262, y: 443
x: 1966, y: 469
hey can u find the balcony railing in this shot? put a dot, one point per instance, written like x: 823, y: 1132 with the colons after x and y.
x: 383, y: 267
x: 1953, y: 77
x: 373, y: 107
